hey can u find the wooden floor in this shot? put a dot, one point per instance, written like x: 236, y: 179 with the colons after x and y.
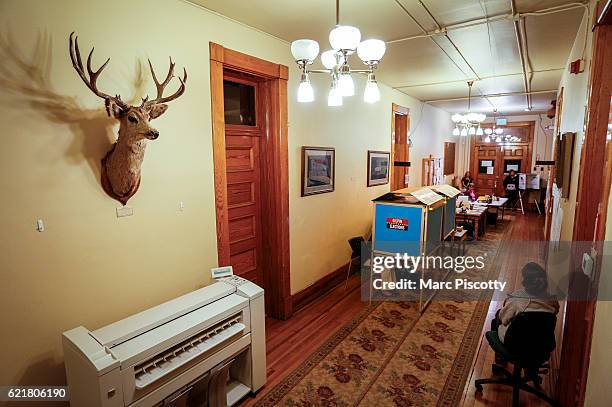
x: 290, y: 342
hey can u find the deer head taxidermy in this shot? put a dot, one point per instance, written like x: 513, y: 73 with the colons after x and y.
x: 120, y: 172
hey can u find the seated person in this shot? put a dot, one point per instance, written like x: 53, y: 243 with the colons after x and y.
x: 511, y: 185
x: 471, y: 193
x: 466, y: 180
x: 534, y: 297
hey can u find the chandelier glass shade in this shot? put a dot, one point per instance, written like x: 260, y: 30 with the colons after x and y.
x: 469, y: 123
x: 345, y: 41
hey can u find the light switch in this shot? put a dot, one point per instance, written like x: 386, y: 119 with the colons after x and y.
x: 181, y: 206
x: 125, y: 211
x: 40, y: 225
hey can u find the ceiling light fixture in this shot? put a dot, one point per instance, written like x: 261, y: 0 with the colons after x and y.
x: 345, y: 41
x: 470, y: 122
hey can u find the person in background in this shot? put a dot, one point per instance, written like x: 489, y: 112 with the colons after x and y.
x: 466, y: 180
x: 533, y: 297
x: 471, y: 193
x: 511, y: 185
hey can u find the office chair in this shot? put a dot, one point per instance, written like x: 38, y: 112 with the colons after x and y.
x: 529, y: 340
x: 355, y: 243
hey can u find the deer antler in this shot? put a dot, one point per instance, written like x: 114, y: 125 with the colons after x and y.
x: 92, y: 76
x: 161, y: 86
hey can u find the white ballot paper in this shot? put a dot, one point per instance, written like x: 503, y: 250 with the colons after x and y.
x: 426, y: 196
x: 446, y: 190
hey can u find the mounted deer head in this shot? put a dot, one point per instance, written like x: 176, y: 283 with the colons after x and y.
x: 120, y: 173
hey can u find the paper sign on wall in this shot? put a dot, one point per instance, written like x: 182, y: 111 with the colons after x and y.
x: 486, y: 163
x: 511, y: 167
x: 490, y: 170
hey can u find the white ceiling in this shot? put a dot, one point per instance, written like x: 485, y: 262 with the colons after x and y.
x: 432, y: 68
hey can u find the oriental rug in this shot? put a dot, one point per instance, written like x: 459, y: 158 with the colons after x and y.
x: 391, y: 355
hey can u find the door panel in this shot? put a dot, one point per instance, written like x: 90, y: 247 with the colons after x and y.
x: 243, y: 199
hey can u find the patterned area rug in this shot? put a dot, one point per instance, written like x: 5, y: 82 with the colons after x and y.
x: 390, y: 355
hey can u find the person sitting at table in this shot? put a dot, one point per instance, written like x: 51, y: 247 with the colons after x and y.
x: 511, y: 185
x: 471, y: 193
x: 466, y: 180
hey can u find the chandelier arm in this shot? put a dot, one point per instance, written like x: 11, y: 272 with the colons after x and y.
x: 337, y: 12
x: 328, y: 71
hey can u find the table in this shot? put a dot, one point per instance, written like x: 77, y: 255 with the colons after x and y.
x: 475, y: 216
x: 499, y: 204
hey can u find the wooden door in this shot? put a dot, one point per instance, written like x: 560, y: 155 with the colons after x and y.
x: 486, y: 169
x: 243, y: 175
x: 400, y: 153
x: 492, y: 161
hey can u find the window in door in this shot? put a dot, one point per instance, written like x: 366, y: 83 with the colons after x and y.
x: 486, y: 167
x: 239, y: 103
x: 512, y: 165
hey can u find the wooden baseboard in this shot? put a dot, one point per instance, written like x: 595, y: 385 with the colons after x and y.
x: 319, y: 288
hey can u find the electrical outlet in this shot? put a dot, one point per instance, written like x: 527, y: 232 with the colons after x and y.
x: 588, y: 264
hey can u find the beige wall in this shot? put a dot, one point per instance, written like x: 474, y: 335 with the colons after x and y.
x: 575, y: 97
x: 92, y: 268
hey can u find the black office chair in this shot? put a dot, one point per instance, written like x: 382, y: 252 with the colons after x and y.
x: 355, y: 243
x: 529, y: 340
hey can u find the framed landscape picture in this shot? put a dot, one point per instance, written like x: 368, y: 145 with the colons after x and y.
x: 318, y: 169
x: 378, y: 167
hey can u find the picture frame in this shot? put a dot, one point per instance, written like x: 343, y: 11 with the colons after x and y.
x: 318, y: 170
x: 378, y: 167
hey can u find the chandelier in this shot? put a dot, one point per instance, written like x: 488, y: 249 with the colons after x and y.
x: 468, y: 123
x: 345, y: 41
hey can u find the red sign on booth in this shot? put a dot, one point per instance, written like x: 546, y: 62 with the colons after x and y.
x: 397, y: 223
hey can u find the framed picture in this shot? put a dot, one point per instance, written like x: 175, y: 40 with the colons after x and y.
x: 378, y: 167
x: 318, y: 170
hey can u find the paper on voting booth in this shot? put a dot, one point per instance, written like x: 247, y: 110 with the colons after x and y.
x: 447, y: 190
x: 426, y: 196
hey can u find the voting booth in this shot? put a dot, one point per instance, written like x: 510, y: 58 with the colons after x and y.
x: 412, y: 221
x: 408, y: 221
x: 449, y: 194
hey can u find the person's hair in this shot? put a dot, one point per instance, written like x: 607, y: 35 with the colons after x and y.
x: 467, y: 173
x: 535, y: 279
x: 471, y: 185
x: 511, y: 171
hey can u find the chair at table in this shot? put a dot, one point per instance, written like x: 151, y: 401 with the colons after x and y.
x: 355, y: 244
x: 528, y: 343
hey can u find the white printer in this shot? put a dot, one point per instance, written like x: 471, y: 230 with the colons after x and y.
x: 205, y: 348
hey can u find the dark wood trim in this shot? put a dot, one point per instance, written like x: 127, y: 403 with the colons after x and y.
x: 321, y: 287
x: 590, y: 209
x: 397, y: 110
x: 272, y: 80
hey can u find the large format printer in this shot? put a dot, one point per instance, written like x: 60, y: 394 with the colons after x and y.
x: 205, y: 348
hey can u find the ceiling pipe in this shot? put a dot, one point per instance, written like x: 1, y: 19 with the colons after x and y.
x: 493, y: 95
x: 497, y: 17
x: 519, y: 42
x: 482, y: 78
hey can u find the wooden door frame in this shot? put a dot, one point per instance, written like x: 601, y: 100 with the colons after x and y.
x: 589, y: 220
x: 397, y: 110
x: 274, y: 175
